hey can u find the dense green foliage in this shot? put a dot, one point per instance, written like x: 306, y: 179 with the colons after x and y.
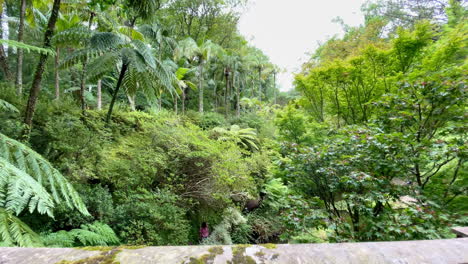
x: 156, y: 116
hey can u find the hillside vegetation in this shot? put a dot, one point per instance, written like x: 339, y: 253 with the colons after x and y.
x: 133, y: 122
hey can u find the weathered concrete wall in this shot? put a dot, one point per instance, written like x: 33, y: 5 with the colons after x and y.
x: 406, y: 252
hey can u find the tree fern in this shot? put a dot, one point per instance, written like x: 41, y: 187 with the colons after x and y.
x: 244, y: 137
x: 30, y: 162
x: 96, y: 234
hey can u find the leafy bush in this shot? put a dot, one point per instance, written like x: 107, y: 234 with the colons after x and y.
x: 151, y: 218
x: 207, y: 120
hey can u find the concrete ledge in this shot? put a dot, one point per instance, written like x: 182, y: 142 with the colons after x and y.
x: 460, y: 231
x: 407, y: 252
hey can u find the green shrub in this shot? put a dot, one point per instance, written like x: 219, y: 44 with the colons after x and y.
x: 206, y: 120
x: 151, y: 218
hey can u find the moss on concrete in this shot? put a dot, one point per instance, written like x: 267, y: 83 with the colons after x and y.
x: 100, y: 248
x: 207, y: 258
x: 239, y: 257
x: 269, y: 246
x: 106, y: 257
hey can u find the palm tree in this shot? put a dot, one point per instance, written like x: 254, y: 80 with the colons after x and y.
x: 189, y: 49
x: 183, y: 83
x: 258, y: 62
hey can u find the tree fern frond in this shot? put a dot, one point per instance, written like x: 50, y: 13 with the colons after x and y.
x: 42, y: 171
x: 103, y: 41
x: 14, y: 232
x: 78, y: 56
x: 5, y: 106
x: 145, y: 52
x: 19, y: 190
x: 102, y: 65
x: 76, y: 37
x: 95, y: 234
x: 21, y: 45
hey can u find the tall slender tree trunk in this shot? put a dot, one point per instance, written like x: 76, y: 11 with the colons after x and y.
x: 131, y: 101
x: 19, y: 69
x: 260, y: 84
x: 215, y: 96
x: 226, y: 90
x: 183, y: 100
x: 175, y: 104
x: 56, y: 73
x: 200, y: 89
x: 238, y: 98
x: 99, y: 95
x: 160, y: 102
x: 274, y: 87
x: 114, y: 97
x: 3, y: 57
x: 83, y: 71
x: 36, y: 85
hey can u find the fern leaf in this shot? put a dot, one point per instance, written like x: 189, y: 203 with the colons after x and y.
x: 21, y: 45
x: 5, y: 106
x: 19, y: 190
x: 76, y: 37
x: 42, y: 171
x: 95, y: 234
x: 104, y: 41
x: 78, y: 56
x: 99, y: 67
x: 14, y: 232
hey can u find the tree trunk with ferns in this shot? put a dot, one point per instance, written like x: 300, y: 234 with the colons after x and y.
x: 19, y: 69
x: 36, y: 84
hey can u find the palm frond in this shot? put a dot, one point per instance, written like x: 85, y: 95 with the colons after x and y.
x: 132, y: 33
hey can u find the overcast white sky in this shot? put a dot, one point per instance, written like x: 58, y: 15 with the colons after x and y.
x: 287, y: 29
